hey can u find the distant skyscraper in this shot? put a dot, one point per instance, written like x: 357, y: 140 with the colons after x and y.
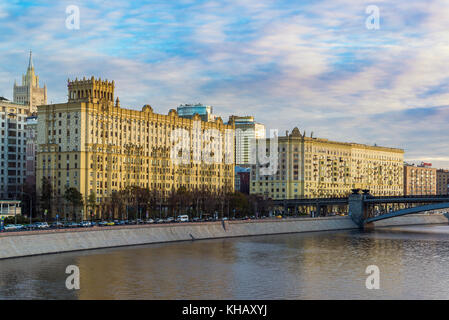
x: 246, y: 132
x: 189, y: 110
x: 29, y: 93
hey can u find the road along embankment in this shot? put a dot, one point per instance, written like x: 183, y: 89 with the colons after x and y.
x: 55, y: 241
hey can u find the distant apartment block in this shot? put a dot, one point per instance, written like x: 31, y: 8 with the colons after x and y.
x: 13, y: 144
x: 242, y: 177
x: 442, y: 182
x: 246, y: 133
x: 420, y: 179
x: 313, y: 168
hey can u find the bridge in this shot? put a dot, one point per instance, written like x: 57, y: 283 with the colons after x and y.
x: 365, y: 208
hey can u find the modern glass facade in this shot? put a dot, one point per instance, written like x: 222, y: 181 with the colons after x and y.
x: 189, y: 110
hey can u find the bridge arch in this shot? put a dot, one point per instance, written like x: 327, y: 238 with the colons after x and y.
x: 402, y: 212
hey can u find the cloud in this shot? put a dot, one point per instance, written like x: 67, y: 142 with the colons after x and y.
x: 311, y: 64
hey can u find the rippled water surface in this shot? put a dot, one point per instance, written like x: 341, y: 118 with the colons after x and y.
x: 413, y: 263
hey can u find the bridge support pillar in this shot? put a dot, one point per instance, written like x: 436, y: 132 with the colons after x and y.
x: 357, y: 209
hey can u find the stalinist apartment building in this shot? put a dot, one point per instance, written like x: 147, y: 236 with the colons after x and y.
x: 94, y: 145
x: 314, y: 168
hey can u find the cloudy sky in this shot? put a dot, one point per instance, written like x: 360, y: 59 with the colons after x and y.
x: 312, y: 64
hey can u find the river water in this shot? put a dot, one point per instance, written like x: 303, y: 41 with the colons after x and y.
x: 413, y: 264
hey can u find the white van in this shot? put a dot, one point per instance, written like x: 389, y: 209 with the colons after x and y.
x: 183, y: 218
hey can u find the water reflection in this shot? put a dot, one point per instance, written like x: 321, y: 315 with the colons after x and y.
x: 330, y: 265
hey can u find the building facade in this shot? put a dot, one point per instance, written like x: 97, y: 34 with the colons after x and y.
x: 31, y: 140
x: 94, y: 145
x: 13, y: 143
x: 246, y: 133
x: 307, y: 167
x: 242, y: 176
x: 420, y: 179
x: 29, y: 92
x: 442, y: 182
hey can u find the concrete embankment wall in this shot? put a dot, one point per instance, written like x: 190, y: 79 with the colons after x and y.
x: 55, y: 241
x: 412, y: 219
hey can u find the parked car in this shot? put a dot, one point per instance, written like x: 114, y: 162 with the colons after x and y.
x: 56, y: 225
x: 119, y: 222
x: 41, y: 225
x: 71, y: 225
x: 13, y: 227
x: 149, y: 221
x: 196, y: 219
x: 85, y: 224
x: 102, y: 223
x: 182, y: 218
x: 169, y: 220
x: 159, y: 220
x: 110, y: 223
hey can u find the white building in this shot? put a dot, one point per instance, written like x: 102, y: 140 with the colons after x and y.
x: 246, y: 133
x: 13, y: 142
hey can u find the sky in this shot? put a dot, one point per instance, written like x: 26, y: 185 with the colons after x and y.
x: 309, y: 64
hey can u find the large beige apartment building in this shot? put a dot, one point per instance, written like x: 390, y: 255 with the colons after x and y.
x: 420, y: 179
x: 94, y: 145
x: 312, y: 167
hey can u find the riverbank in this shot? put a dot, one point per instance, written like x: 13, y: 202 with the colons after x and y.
x: 57, y: 241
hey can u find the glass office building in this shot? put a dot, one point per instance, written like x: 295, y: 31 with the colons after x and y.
x: 189, y: 110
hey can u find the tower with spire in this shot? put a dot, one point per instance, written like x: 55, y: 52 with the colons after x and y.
x: 29, y: 93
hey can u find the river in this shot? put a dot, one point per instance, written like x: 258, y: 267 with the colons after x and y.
x: 413, y: 264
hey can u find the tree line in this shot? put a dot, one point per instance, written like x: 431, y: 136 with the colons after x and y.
x: 135, y: 202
